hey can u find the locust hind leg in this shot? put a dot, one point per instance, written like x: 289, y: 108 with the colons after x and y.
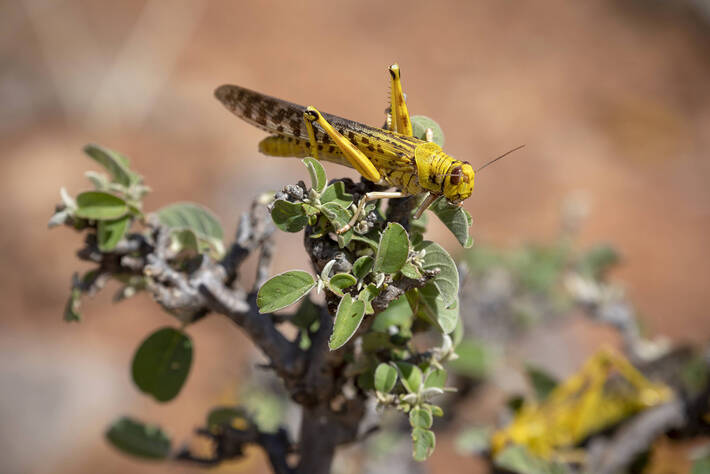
x: 355, y: 157
x: 398, y: 117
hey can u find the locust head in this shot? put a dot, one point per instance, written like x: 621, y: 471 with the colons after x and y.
x: 458, y: 184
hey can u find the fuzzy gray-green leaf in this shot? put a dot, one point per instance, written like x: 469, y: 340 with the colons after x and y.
x: 419, y: 125
x: 336, y: 193
x: 447, y: 280
x: 318, y: 177
x: 110, y: 233
x: 283, y: 290
x: 99, y: 205
x: 347, y: 320
x: 115, y: 163
x: 393, y: 249
x: 385, y: 378
x: 196, y: 218
x: 456, y: 219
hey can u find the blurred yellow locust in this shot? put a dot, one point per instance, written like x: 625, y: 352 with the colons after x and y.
x: 387, y: 156
x: 604, y: 392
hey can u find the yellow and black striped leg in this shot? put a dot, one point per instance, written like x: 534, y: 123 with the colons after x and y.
x: 400, y: 121
x: 373, y: 196
x: 355, y: 157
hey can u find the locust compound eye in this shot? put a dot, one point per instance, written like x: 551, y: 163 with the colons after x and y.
x: 456, y: 175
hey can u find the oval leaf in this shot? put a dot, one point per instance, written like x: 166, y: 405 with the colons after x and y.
x: 419, y: 125
x: 435, y: 378
x: 385, y: 378
x: 110, y: 233
x: 455, y: 218
x: 318, y: 177
x: 393, y: 249
x: 420, y: 418
x: 138, y: 439
x: 423, y: 443
x: 411, y: 376
x: 347, y: 320
x: 342, y: 281
x: 198, y: 219
x: 99, y: 205
x: 289, y: 216
x: 283, y: 290
x: 362, y: 266
x: 162, y: 362
x: 336, y: 193
x: 432, y: 308
x: 115, y: 163
x: 447, y: 281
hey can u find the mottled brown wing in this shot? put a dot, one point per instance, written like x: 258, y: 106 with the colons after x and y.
x: 279, y: 116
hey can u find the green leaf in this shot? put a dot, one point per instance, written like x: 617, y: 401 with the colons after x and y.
x: 517, y: 458
x: 435, y: 378
x: 385, y: 378
x: 419, y: 125
x: 336, y: 193
x: 341, y: 281
x: 116, y: 164
x: 433, y: 309
x: 362, y: 266
x: 455, y: 218
x: 420, y: 418
x: 411, y: 376
x: 423, y: 443
x: 347, y: 320
x: 196, y: 218
x: 162, y: 362
x: 225, y: 416
x: 398, y: 313
x: 336, y: 214
x: 410, y: 271
x: 110, y: 233
x: 368, y: 294
x: 542, y: 382
x: 284, y: 289
x: 318, y: 177
x: 366, y: 240
x: 98, y: 205
x: 393, y: 249
x: 138, y: 439
x: 474, y: 359
x: 186, y: 239
x: 447, y: 281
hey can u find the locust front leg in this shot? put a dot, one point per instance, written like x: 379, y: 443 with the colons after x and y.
x: 354, y: 156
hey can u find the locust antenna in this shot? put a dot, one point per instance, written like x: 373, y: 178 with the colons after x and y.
x: 501, y: 156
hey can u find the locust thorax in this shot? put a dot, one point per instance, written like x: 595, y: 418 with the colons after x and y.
x: 441, y: 174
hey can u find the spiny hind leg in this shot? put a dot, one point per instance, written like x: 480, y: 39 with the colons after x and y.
x: 368, y: 197
x: 398, y: 117
x: 355, y: 157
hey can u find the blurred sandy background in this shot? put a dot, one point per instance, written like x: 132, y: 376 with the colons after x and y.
x: 612, y: 99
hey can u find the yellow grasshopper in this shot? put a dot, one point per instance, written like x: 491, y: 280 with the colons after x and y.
x: 389, y: 156
x: 607, y: 390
